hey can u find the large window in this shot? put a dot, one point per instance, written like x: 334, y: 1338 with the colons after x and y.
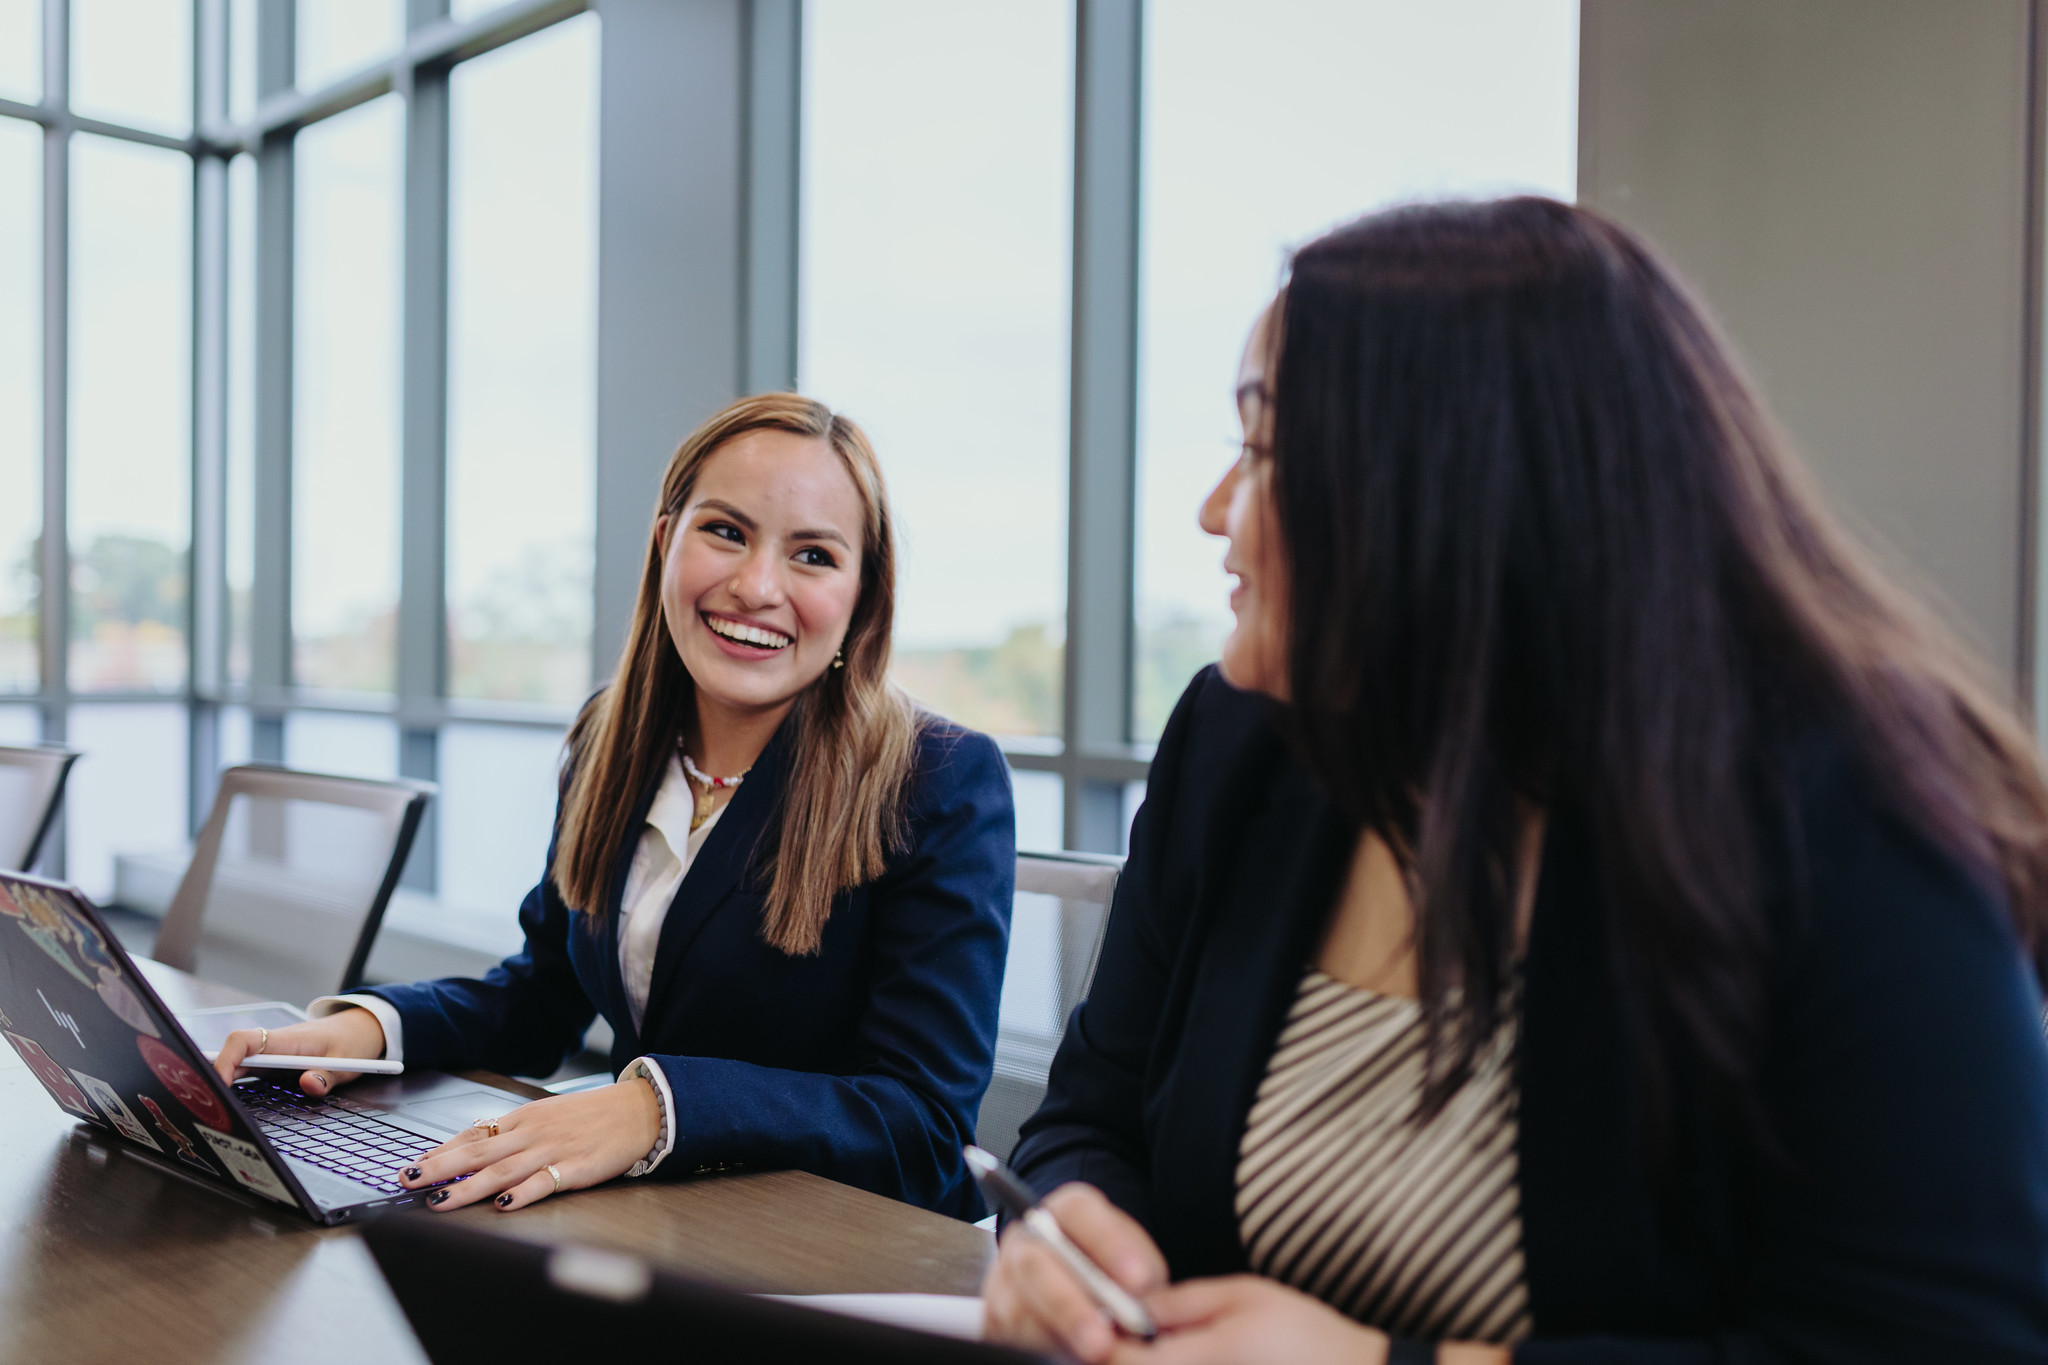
x: 322, y: 397
x: 21, y: 484
x: 1263, y: 127
x: 345, y: 410
x: 936, y: 208
x: 336, y: 37
x: 131, y: 62
x: 240, y: 327
x: 130, y: 418
x: 522, y: 368
x: 21, y: 44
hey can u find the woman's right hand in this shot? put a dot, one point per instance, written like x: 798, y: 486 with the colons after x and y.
x: 352, y: 1032
x: 1031, y: 1300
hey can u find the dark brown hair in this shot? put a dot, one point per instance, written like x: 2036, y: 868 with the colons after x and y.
x: 1546, y: 546
x: 841, y: 809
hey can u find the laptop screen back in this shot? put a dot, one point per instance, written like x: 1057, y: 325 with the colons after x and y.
x: 91, y: 1030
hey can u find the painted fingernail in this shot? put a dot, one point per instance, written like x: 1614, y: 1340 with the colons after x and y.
x: 411, y: 1173
x: 438, y: 1196
x: 505, y: 1200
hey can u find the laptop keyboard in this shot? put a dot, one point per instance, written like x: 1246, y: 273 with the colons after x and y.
x: 333, y: 1133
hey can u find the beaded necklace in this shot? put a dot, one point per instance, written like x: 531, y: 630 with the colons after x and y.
x: 705, y: 784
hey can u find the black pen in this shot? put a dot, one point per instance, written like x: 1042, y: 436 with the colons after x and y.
x: 1003, y: 1185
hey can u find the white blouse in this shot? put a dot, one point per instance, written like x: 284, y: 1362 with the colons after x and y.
x: 667, y: 848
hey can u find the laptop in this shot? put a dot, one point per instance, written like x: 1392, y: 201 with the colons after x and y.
x: 107, y: 1050
x: 542, y: 1301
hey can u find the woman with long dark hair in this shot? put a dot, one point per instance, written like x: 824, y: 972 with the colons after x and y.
x: 785, y: 887
x: 1591, y: 915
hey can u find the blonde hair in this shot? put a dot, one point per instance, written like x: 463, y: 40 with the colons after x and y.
x: 841, y: 810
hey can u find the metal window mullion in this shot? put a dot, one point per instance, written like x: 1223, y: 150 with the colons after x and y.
x: 436, y: 42
x: 270, y: 627
x: 53, y: 560
x: 1108, y: 71
x: 773, y: 173
x: 423, y: 457
x: 50, y: 115
x: 206, y: 580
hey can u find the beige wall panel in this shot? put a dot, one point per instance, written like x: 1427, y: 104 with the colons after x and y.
x: 1845, y: 181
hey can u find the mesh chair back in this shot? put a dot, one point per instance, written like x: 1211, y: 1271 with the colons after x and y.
x: 1056, y: 926
x: 289, y: 879
x: 31, y: 793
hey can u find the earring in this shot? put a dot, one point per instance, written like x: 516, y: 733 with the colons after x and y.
x: 839, y: 658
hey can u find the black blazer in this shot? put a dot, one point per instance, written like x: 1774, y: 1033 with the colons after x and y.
x: 1907, y: 1079
x: 864, y: 1062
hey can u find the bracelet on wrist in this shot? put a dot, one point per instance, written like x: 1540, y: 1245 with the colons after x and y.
x: 654, y: 1153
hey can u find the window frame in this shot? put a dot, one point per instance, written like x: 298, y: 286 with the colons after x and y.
x: 1093, y: 755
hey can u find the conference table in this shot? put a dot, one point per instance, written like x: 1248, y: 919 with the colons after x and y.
x: 106, y: 1257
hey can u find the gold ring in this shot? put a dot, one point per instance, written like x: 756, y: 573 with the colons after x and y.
x: 263, y: 1043
x: 557, y: 1176
x: 490, y: 1126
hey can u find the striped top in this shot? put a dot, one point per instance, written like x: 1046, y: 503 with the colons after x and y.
x: 1411, y: 1228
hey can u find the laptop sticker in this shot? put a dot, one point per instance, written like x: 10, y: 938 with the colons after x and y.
x: 51, y: 931
x: 54, y: 1078
x: 62, y: 1019
x: 118, y: 1114
x: 184, y: 1150
x: 247, y: 1166
x: 118, y: 996
x: 85, y: 937
x: 187, y: 1086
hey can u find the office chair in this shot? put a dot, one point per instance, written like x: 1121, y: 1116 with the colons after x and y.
x: 1063, y: 897
x: 289, y: 879
x: 31, y: 793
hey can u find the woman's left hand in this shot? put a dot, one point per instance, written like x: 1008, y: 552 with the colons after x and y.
x: 1245, y: 1319
x: 589, y: 1137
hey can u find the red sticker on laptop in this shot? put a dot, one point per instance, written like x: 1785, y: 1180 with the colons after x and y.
x: 187, y: 1086
x: 55, y: 1078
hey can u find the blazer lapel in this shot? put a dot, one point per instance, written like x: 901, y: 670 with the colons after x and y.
x: 719, y: 867
x: 606, y: 941
x: 1269, y: 908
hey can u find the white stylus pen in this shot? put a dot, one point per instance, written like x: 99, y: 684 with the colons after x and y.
x: 1008, y: 1189
x: 285, y: 1061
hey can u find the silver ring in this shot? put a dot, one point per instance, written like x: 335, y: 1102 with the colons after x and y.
x: 557, y: 1177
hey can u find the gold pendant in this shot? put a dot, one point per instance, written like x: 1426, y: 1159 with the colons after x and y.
x: 701, y: 812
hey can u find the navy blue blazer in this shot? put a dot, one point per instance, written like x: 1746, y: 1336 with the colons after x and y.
x: 1907, y: 1080
x: 864, y: 1062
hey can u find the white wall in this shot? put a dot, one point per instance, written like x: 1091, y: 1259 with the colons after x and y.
x: 1847, y: 182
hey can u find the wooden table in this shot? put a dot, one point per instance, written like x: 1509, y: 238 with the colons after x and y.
x: 105, y: 1258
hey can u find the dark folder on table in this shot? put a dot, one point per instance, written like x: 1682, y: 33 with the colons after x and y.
x: 477, y: 1296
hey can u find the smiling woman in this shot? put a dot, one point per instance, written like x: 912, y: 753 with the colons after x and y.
x: 773, y: 528
x: 785, y: 887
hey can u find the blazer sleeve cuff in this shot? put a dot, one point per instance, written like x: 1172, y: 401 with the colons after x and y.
x: 665, y: 1100
x: 380, y: 1010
